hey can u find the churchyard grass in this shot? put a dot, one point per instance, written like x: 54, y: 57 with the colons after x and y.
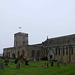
x: 38, y: 68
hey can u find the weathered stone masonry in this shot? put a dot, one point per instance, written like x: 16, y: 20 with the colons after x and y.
x: 61, y: 48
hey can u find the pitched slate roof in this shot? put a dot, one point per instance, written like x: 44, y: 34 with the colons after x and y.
x: 60, y: 41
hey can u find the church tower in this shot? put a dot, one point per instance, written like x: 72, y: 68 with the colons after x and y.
x: 20, y: 39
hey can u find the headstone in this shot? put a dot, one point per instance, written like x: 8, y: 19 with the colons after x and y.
x: 12, y: 62
x: 46, y: 65
x: 51, y: 63
x: 18, y: 66
x: 26, y: 62
x: 6, y: 62
x: 65, y: 64
x: 16, y: 61
x: 58, y: 64
x: 22, y: 60
x: 1, y: 65
x: 23, y: 63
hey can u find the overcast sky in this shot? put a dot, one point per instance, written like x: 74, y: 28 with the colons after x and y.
x: 38, y: 18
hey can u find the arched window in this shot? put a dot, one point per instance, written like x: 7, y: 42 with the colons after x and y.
x: 63, y: 51
x: 13, y: 55
x: 38, y: 54
x: 32, y: 53
x: 18, y: 54
x: 23, y: 53
x: 9, y: 54
x: 23, y: 42
x: 58, y: 51
x: 66, y: 50
x: 72, y: 50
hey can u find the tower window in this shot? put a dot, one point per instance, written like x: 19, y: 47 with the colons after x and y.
x: 23, y: 42
x: 16, y: 43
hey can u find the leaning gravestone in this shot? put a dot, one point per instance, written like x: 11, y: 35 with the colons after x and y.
x: 51, y: 62
x: 1, y: 65
x: 58, y: 64
x: 23, y: 63
x: 18, y: 66
x: 46, y: 65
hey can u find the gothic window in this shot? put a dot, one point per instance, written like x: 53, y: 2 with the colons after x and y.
x: 9, y: 54
x: 72, y: 50
x: 32, y: 54
x: 46, y: 52
x: 56, y: 51
x: 16, y: 43
x: 23, y: 53
x: 18, y: 54
x: 23, y: 37
x: 38, y: 53
x: 13, y: 55
x: 63, y: 51
x: 66, y: 50
x: 6, y: 53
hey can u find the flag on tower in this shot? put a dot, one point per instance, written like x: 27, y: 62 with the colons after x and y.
x: 19, y: 27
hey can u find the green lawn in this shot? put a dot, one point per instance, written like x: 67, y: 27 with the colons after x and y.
x: 38, y: 68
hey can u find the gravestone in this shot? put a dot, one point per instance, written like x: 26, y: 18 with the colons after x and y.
x: 58, y: 64
x: 16, y: 61
x: 65, y: 64
x: 23, y: 63
x: 12, y: 62
x: 1, y: 65
x: 18, y: 66
x: 26, y: 62
x: 46, y: 65
x: 51, y: 63
x: 6, y: 62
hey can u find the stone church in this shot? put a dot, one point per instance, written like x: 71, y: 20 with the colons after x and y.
x: 60, y: 48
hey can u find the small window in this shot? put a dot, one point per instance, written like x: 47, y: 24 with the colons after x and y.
x: 23, y: 42
x: 16, y: 43
x: 63, y: 51
x: 66, y: 50
x: 23, y: 53
x: 23, y: 37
